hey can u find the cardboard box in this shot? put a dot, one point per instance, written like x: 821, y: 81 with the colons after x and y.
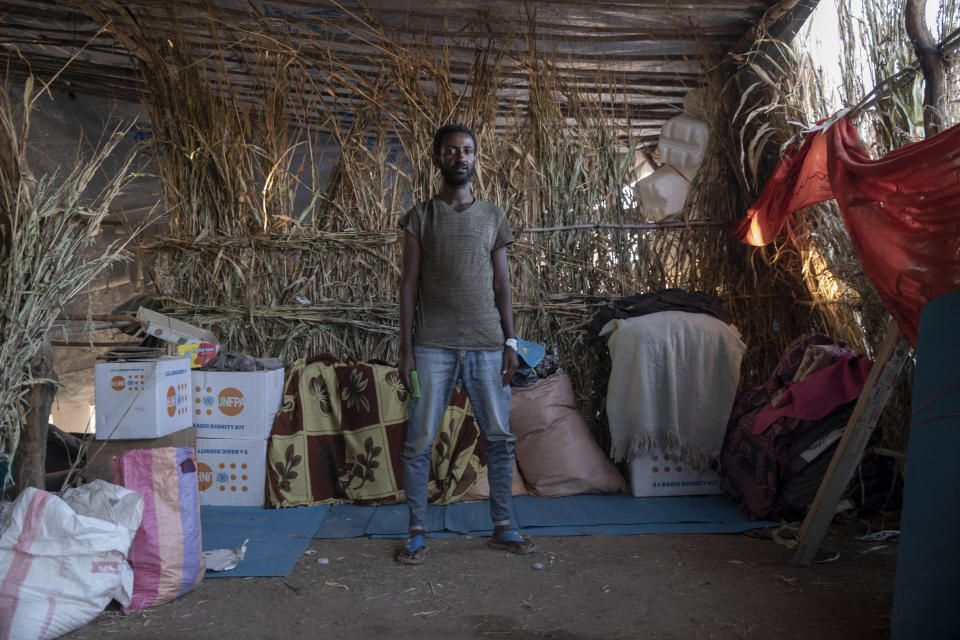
x: 664, y: 475
x: 235, y: 404
x: 142, y: 399
x: 200, y: 353
x: 231, y: 472
x: 172, y: 330
x: 99, y: 453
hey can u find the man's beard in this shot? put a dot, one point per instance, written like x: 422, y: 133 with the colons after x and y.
x: 453, y: 179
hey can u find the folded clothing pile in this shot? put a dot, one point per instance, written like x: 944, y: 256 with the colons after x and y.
x: 783, y: 434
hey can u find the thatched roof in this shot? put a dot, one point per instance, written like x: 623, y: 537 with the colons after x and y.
x: 654, y: 48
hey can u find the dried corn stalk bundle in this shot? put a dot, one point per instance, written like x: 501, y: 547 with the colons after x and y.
x: 47, y: 223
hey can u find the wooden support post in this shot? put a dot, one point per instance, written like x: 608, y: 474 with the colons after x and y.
x: 873, y: 397
x: 932, y: 65
x: 30, y: 460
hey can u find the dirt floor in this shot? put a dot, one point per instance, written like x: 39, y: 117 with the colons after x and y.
x: 591, y: 587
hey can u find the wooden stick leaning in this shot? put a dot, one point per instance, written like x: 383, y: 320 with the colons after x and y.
x: 890, y: 358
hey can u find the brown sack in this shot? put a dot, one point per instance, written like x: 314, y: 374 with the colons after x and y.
x: 481, y: 490
x: 555, y: 451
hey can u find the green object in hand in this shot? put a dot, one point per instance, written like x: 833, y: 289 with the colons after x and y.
x: 415, y: 384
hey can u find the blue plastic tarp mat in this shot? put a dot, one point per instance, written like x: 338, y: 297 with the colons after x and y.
x: 277, y: 537
x: 566, y: 516
x: 346, y: 521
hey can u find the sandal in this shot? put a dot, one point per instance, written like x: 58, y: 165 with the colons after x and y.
x: 415, y: 552
x: 513, y: 542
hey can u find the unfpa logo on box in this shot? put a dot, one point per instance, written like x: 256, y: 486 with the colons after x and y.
x: 204, y: 476
x: 230, y: 401
x: 176, y: 400
x: 233, y: 477
x: 131, y: 382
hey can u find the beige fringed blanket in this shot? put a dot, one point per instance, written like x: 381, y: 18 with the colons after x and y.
x: 672, y: 385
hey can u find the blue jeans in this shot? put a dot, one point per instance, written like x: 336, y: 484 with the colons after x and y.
x: 438, y: 371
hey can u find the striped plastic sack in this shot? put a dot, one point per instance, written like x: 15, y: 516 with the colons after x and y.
x: 63, y: 560
x: 166, y: 554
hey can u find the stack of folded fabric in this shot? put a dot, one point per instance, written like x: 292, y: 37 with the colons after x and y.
x: 782, y: 434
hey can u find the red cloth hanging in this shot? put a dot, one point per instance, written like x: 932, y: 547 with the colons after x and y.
x: 902, y: 211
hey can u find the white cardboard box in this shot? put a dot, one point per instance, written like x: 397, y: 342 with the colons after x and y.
x: 664, y: 475
x: 142, y: 399
x: 172, y: 330
x: 235, y: 404
x: 231, y: 472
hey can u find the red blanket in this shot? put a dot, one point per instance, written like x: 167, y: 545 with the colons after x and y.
x: 902, y: 211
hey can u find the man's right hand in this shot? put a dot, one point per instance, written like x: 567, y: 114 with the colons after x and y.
x: 406, y: 364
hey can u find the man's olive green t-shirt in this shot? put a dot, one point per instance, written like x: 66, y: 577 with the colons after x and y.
x: 455, y: 302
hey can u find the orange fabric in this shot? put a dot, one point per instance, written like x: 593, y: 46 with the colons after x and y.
x: 800, y: 180
x: 902, y: 211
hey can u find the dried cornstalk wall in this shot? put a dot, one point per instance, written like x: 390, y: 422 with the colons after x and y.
x: 281, y: 257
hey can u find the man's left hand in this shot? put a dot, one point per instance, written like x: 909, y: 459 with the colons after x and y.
x: 509, y: 366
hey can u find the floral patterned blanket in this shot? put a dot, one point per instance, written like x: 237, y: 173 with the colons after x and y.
x: 340, y: 430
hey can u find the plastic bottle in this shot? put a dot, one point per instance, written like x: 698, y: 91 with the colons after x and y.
x: 664, y: 192
x: 683, y: 141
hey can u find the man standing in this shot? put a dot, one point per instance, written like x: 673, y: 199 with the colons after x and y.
x: 456, y: 322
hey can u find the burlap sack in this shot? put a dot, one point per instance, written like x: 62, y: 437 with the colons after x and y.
x: 555, y: 451
x: 481, y: 490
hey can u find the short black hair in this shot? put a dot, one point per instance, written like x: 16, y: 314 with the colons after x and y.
x: 446, y: 130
